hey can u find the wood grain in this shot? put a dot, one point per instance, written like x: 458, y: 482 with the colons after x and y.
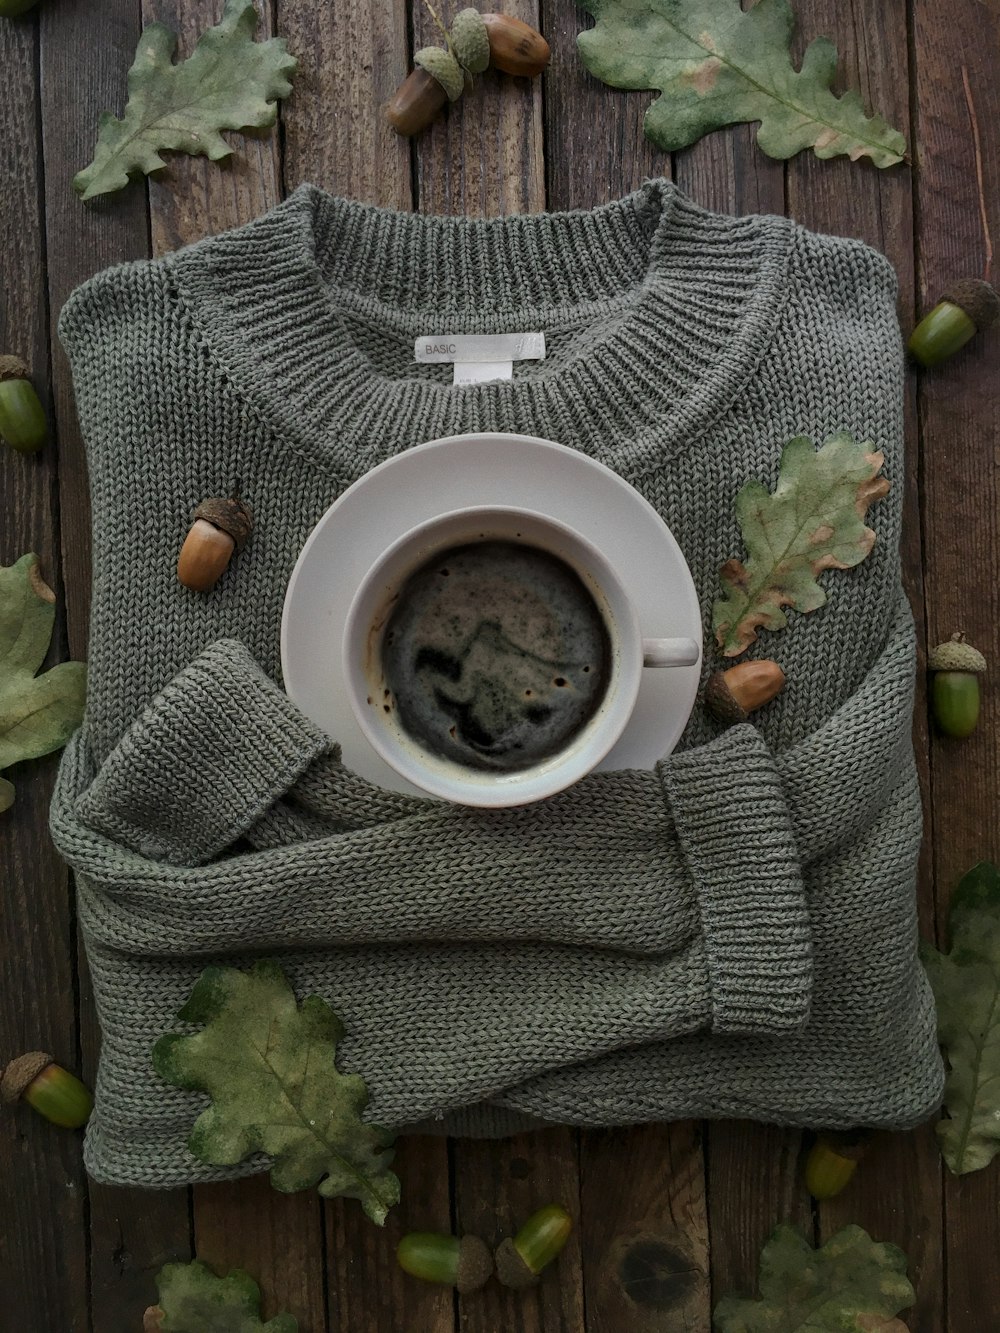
x: 82, y: 239
x: 595, y: 150
x: 645, y: 1229
x: 959, y: 215
x: 367, y: 1289
x: 277, y: 1238
x: 353, y: 54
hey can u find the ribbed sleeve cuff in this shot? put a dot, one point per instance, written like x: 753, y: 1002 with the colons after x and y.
x: 203, y: 762
x: 736, y: 837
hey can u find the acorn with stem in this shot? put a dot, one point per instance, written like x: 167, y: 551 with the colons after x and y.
x: 956, y: 667
x: 442, y: 74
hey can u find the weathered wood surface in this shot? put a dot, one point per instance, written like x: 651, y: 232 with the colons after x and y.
x: 670, y: 1217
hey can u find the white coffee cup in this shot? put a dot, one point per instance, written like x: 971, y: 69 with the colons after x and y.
x: 443, y: 776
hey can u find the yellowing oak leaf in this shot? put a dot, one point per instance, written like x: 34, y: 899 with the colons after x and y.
x: 852, y: 1284
x: 267, y: 1063
x: 813, y: 521
x: 966, y: 985
x: 229, y: 82
x: 38, y: 714
x: 717, y: 65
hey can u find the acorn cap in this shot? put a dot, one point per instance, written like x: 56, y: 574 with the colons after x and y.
x: 851, y: 1144
x: 232, y: 516
x: 20, y: 1074
x: 977, y: 298
x: 13, y: 368
x: 957, y: 655
x: 475, y: 1264
x: 470, y: 40
x: 443, y: 66
x: 511, y: 1268
x: 720, y: 701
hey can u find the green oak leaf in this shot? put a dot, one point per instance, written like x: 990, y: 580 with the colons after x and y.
x: 38, y: 714
x: 193, y: 1300
x: 966, y: 985
x: 852, y: 1284
x: 813, y: 521
x: 268, y: 1065
x: 229, y: 82
x: 716, y: 65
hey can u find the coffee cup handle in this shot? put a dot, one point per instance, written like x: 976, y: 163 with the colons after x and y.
x: 669, y: 652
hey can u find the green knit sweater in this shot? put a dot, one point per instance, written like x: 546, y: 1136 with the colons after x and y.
x: 733, y: 934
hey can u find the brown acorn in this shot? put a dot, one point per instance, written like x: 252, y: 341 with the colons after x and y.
x: 474, y: 42
x: 415, y: 102
x: 515, y: 47
x: 220, y: 528
x: 734, y: 694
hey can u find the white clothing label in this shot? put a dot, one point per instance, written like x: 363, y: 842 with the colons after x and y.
x: 480, y: 347
x: 478, y: 372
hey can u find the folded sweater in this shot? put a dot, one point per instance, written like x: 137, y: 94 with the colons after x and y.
x: 732, y: 934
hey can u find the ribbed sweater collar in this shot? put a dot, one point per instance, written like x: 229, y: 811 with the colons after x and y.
x: 670, y: 307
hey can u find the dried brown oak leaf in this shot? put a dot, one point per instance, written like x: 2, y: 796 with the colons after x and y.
x: 813, y: 521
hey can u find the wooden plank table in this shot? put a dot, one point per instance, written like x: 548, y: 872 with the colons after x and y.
x: 672, y: 1216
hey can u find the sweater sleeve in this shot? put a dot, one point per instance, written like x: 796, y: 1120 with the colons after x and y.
x: 701, y: 860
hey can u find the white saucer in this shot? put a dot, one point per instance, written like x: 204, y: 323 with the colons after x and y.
x: 516, y: 470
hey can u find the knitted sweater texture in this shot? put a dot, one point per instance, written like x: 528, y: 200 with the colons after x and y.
x: 732, y: 934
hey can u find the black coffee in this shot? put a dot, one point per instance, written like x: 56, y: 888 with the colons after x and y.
x: 495, y: 656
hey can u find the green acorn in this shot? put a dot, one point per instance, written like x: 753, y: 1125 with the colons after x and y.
x: 22, y: 417
x: 966, y: 308
x: 463, y: 1262
x: 54, y: 1092
x: 833, y: 1160
x: 956, y: 668
x: 520, y: 1261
